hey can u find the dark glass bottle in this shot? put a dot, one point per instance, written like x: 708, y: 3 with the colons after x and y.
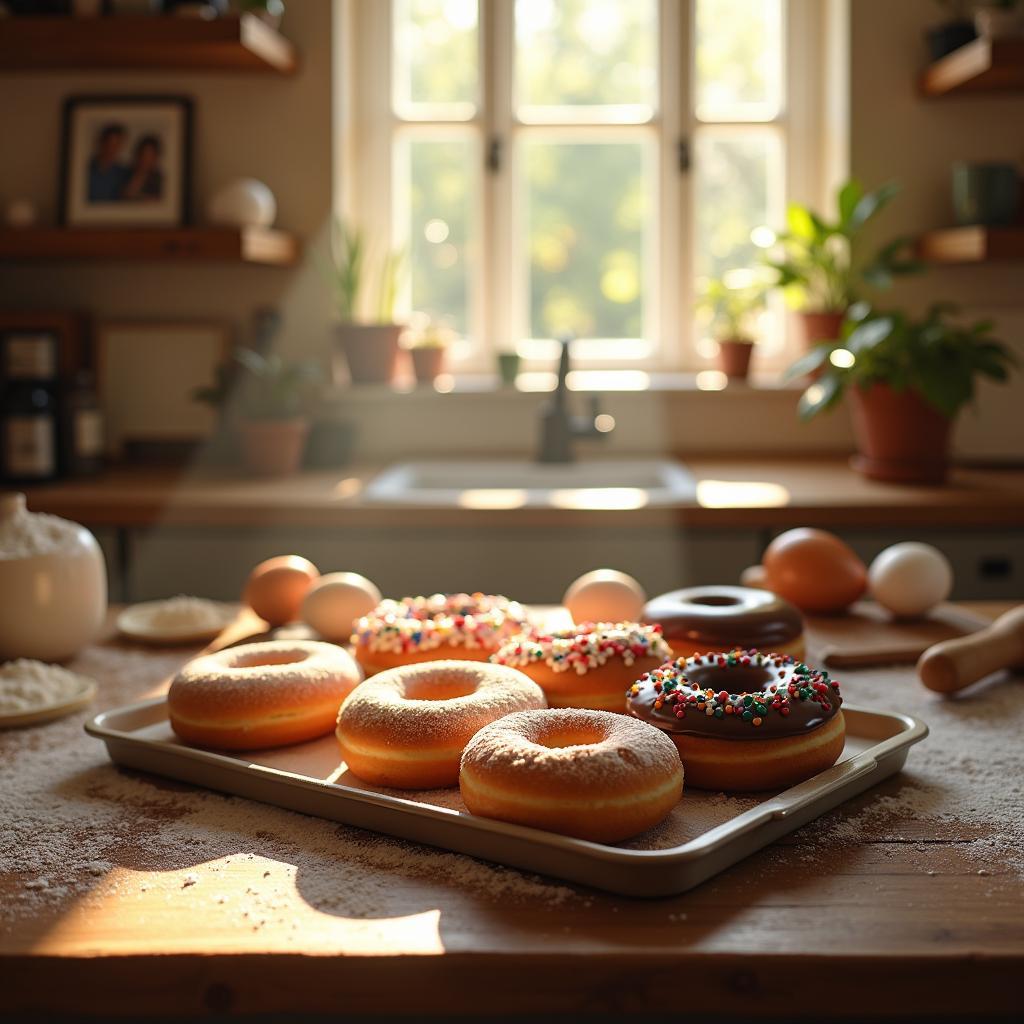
x: 28, y: 433
x: 81, y: 428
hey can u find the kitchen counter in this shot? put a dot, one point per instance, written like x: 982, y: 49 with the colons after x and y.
x: 122, y: 893
x: 732, y: 493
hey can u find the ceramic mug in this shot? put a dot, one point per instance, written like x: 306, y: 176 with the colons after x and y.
x: 985, y: 193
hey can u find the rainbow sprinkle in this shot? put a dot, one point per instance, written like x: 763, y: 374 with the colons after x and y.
x: 425, y: 623
x: 584, y: 647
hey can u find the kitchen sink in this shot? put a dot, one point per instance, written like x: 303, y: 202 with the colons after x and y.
x: 498, y: 484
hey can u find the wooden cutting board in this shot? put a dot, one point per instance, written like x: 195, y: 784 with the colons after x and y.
x: 869, y: 635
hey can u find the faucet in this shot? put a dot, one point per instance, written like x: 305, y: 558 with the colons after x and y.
x: 558, y: 427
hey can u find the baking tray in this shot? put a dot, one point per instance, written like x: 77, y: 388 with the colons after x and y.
x: 704, y: 835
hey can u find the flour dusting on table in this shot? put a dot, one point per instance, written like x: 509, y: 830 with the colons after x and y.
x: 69, y: 818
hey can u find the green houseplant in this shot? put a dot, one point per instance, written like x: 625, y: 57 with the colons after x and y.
x: 273, y: 394
x: 365, y: 292
x: 906, y: 379
x: 820, y: 264
x: 729, y: 305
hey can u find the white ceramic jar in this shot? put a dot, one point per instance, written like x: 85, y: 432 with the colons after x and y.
x: 53, y: 584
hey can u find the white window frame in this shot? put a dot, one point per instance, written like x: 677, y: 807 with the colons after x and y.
x: 498, y: 293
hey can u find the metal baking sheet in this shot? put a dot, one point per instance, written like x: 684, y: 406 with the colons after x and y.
x: 704, y: 835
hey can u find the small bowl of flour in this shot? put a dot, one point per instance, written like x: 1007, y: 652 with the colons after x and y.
x: 33, y: 691
x: 177, y: 620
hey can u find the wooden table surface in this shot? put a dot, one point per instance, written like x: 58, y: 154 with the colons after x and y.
x: 748, y: 493
x: 897, y: 903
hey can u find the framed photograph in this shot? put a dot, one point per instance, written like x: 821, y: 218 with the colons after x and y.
x: 42, y: 346
x: 147, y: 373
x: 126, y: 161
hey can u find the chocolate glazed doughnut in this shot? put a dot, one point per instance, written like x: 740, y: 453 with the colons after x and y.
x: 744, y: 720
x: 700, y: 619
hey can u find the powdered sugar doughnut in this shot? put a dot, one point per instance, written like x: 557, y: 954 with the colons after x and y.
x: 468, y: 627
x: 407, y: 726
x: 587, y: 666
x: 261, y: 695
x: 590, y: 774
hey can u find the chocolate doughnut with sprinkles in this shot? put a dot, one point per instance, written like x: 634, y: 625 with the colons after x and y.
x: 743, y: 720
x: 587, y: 665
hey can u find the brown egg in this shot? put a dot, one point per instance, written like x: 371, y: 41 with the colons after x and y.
x: 276, y: 587
x: 814, y: 570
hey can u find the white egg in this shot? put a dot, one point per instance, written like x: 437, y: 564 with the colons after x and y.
x: 605, y: 595
x: 335, y: 601
x: 910, y: 579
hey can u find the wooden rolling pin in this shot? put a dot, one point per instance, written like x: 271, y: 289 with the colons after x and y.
x: 953, y: 664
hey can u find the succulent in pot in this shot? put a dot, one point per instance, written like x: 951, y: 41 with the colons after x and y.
x: 820, y: 264
x: 428, y: 345
x: 907, y: 380
x: 729, y: 306
x: 367, y: 338
x: 273, y: 395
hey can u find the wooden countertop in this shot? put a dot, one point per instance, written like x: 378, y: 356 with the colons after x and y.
x: 732, y: 493
x: 896, y: 904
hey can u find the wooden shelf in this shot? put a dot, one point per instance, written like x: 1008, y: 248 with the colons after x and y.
x: 985, y: 65
x: 264, y: 246
x: 977, y: 244
x: 239, y: 43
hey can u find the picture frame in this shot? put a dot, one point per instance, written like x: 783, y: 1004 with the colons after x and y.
x: 126, y: 161
x: 147, y: 372
x: 68, y: 333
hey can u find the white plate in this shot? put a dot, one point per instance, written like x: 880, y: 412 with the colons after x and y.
x: 311, y: 778
x: 46, y: 712
x: 132, y: 623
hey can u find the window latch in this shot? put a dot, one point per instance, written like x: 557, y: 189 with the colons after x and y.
x: 493, y: 161
x: 683, y: 155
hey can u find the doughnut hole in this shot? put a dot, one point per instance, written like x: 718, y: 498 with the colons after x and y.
x: 270, y: 659
x: 447, y: 687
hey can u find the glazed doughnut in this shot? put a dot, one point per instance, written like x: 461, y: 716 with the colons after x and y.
x: 702, y: 619
x: 467, y: 627
x: 744, y: 720
x: 406, y: 728
x: 586, y: 666
x: 261, y: 695
x: 590, y: 774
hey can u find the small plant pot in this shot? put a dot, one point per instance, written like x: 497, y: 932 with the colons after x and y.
x: 900, y: 437
x: 949, y: 36
x: 427, y: 363
x: 819, y: 327
x: 370, y: 352
x: 274, y: 447
x: 734, y: 358
x: 508, y: 368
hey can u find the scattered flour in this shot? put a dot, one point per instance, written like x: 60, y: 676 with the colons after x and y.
x: 26, y: 685
x: 181, y: 613
x: 68, y: 817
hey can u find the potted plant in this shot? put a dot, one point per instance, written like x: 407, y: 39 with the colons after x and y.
x: 729, y: 305
x: 906, y: 379
x: 273, y: 424
x: 820, y: 265
x: 428, y: 347
x: 368, y: 343
x: 999, y: 19
x: 954, y: 31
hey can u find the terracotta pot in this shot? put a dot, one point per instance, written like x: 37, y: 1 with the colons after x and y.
x: 900, y: 437
x: 734, y: 358
x: 370, y: 352
x: 427, y: 363
x: 819, y: 327
x: 274, y: 447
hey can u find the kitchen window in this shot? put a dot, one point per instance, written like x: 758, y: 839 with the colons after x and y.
x: 579, y: 166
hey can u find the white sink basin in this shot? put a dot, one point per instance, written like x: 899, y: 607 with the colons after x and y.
x: 614, y: 483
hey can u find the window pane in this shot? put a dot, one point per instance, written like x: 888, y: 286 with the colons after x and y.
x: 435, y: 59
x: 435, y: 194
x: 738, y: 60
x: 586, y: 53
x: 589, y: 207
x: 738, y: 188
